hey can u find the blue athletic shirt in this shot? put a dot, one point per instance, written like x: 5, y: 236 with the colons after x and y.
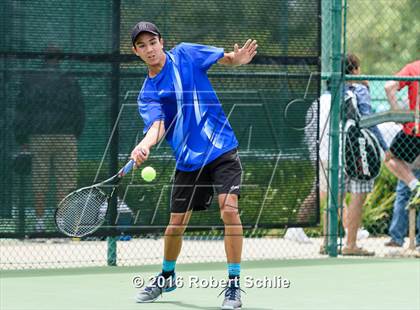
x: 181, y: 94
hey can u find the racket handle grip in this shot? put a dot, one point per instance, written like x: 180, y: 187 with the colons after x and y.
x: 127, y: 168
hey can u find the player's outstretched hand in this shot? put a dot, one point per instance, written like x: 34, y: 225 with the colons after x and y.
x: 140, y: 154
x: 245, y: 54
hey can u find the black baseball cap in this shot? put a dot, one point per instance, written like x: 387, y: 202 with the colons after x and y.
x: 143, y: 27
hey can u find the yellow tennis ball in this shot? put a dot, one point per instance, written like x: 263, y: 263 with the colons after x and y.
x: 148, y: 174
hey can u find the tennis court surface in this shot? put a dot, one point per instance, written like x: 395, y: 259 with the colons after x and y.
x: 314, y: 284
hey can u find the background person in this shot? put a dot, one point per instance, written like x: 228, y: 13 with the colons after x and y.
x: 404, y: 150
x: 358, y: 189
x: 49, y: 118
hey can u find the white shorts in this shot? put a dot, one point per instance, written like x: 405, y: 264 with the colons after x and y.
x: 354, y: 186
x: 350, y: 186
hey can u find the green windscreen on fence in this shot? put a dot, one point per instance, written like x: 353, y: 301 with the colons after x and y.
x: 69, y: 116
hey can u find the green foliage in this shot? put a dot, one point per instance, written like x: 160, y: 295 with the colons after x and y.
x: 377, y: 210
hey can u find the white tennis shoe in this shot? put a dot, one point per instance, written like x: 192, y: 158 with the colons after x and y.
x: 155, y: 288
x: 232, y: 299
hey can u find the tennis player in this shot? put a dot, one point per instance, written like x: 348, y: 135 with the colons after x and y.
x: 178, y: 103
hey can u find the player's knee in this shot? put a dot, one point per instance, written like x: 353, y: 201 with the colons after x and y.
x: 177, y: 224
x: 229, y: 207
x: 230, y: 214
x: 228, y: 202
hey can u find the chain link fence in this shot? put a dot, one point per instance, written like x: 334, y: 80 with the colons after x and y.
x: 379, y: 40
x: 71, y: 119
x: 69, y: 88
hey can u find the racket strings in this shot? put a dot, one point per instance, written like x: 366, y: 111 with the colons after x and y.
x: 82, y: 212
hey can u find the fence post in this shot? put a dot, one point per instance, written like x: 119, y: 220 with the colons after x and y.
x: 112, y: 251
x: 336, y: 83
x: 115, y: 106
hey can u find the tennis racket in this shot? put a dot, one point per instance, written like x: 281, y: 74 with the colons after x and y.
x: 83, y: 211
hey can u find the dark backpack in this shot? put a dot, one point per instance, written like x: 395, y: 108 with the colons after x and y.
x: 362, y: 152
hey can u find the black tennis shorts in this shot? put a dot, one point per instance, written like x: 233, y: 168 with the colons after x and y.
x: 405, y: 147
x: 194, y: 190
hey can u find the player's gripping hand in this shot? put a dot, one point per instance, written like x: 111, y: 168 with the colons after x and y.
x: 140, y: 154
